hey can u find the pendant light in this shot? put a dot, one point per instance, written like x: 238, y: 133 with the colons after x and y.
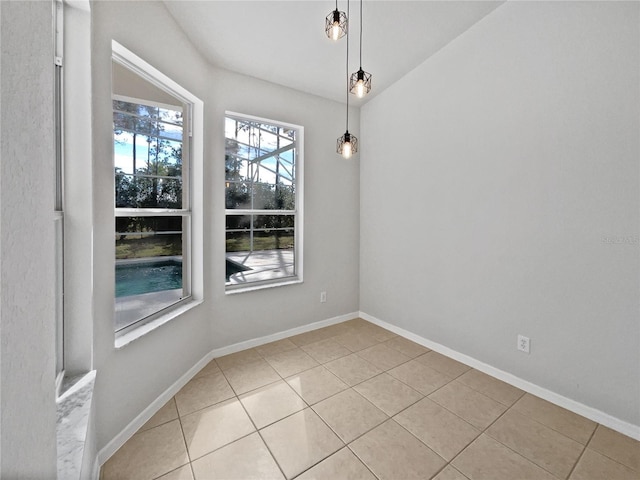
x: 347, y: 144
x: 360, y: 83
x: 336, y: 24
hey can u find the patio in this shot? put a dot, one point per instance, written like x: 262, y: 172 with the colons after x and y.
x: 262, y: 265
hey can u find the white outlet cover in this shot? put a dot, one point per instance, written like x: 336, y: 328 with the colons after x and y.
x: 523, y: 344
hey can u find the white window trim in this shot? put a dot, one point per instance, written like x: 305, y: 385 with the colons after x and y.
x: 195, y: 132
x: 184, y: 213
x: 299, y: 211
x: 73, y: 56
x: 78, y: 187
x: 59, y: 193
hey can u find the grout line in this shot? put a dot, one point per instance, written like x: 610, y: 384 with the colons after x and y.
x: 407, y: 408
x: 349, y: 329
x: 586, y: 446
x: 259, y: 430
x: 380, y: 368
x: 361, y: 460
x: 447, y: 463
x: 203, y: 408
x: 521, y: 455
x: 454, y: 378
x: 487, y: 395
x: 184, y: 438
x: 526, y: 414
x: 462, y: 451
x: 310, y: 406
x: 246, y: 412
x: 482, y: 431
x: 485, y: 432
x: 344, y: 445
x: 173, y: 470
x: 439, y: 471
x: 236, y: 396
x: 507, y: 408
x: 271, y: 453
x: 362, y: 434
x: 223, y: 446
x: 584, y: 449
x: 261, y: 437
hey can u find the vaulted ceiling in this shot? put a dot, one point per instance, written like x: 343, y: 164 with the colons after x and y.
x: 284, y: 41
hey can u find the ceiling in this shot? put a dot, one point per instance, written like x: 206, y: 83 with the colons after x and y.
x: 284, y: 41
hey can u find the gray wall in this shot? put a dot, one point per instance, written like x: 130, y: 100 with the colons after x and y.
x: 130, y: 378
x: 27, y: 418
x: 497, y: 181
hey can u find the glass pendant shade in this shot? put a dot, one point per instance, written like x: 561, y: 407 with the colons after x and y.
x: 360, y: 83
x: 336, y: 25
x: 347, y: 145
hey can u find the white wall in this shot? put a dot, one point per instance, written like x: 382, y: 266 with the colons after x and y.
x: 331, y: 228
x: 129, y: 379
x: 492, y: 225
x: 28, y: 416
x: 494, y: 177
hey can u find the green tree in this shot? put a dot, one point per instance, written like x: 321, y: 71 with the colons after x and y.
x: 158, y: 181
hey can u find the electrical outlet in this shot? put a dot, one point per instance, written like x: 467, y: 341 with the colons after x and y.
x: 323, y: 297
x: 523, y: 343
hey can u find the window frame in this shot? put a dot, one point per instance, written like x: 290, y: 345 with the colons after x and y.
x: 192, y: 185
x: 58, y: 207
x: 298, y: 212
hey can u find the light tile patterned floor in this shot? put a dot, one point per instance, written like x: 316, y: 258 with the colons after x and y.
x: 355, y: 401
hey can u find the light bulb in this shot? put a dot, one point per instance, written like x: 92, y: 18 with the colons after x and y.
x: 360, y: 88
x: 346, y: 150
x: 335, y: 25
x: 335, y: 31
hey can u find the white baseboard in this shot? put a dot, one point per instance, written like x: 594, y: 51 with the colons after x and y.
x: 596, y: 415
x: 236, y: 347
x: 112, y: 447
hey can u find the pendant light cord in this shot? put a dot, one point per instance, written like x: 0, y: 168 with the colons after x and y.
x: 360, y: 34
x: 348, y: 30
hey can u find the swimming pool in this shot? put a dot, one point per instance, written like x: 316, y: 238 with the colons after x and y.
x: 136, y: 278
x: 146, y: 277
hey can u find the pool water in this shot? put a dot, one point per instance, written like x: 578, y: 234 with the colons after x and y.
x: 139, y: 278
x: 148, y: 277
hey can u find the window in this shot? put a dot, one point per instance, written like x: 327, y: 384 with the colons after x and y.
x: 58, y: 217
x: 148, y: 149
x: 155, y: 241
x: 263, y: 196
x: 74, y: 187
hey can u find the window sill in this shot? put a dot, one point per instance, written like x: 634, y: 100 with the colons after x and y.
x: 261, y: 286
x: 73, y: 414
x: 132, y: 335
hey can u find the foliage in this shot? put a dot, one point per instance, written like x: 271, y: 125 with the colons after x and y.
x: 239, y: 242
x: 156, y: 181
x: 244, y: 193
x: 143, y: 247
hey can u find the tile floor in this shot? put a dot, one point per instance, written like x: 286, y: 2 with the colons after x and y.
x: 355, y: 401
